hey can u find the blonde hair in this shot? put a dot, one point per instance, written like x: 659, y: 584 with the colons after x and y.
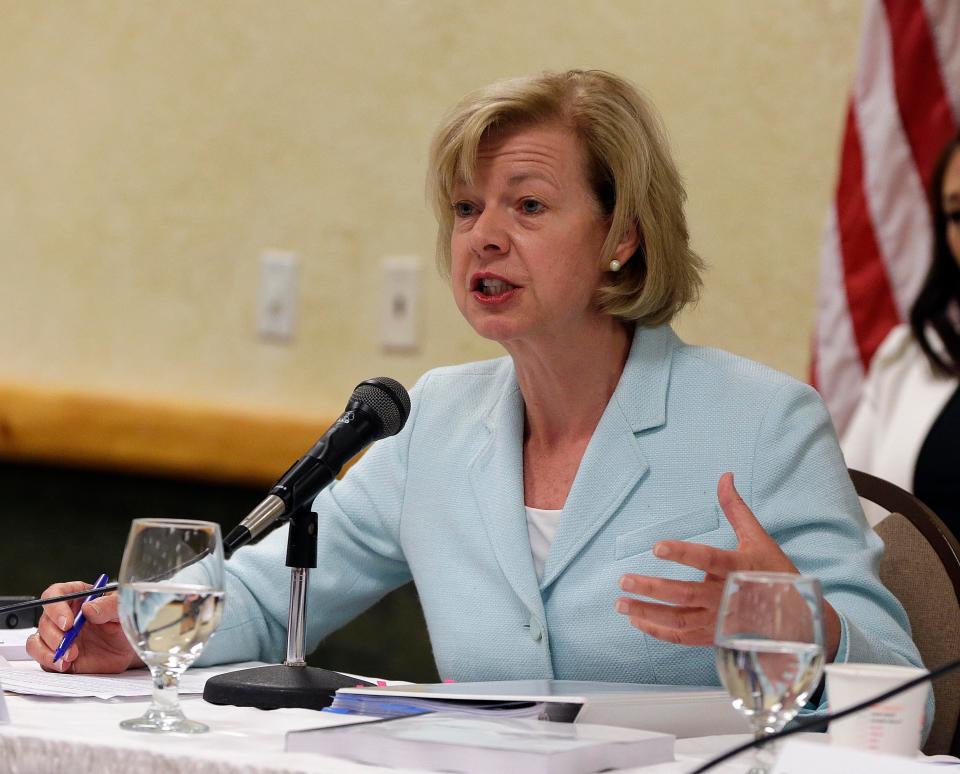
x: 629, y: 166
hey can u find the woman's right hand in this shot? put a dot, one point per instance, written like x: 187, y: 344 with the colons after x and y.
x: 101, y: 647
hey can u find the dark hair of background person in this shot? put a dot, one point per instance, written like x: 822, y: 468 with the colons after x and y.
x: 942, y: 286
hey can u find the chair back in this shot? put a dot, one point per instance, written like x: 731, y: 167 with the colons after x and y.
x: 921, y: 568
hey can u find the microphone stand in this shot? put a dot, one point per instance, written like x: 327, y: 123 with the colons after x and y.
x: 292, y: 683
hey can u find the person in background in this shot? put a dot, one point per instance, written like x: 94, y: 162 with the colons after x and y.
x: 906, y: 428
x: 567, y: 511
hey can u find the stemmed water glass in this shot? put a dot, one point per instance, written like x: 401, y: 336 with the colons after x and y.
x: 770, y: 649
x: 171, y: 600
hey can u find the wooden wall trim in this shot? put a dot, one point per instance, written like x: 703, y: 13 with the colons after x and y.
x: 151, y: 436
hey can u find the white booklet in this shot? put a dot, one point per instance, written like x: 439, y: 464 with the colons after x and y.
x: 682, y: 710
x: 448, y: 742
x: 13, y: 644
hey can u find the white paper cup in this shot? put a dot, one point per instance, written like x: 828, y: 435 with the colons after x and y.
x: 894, y: 726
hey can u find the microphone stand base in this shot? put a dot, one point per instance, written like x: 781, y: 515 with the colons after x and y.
x: 276, y: 686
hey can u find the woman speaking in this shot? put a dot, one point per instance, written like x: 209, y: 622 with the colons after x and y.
x: 569, y: 510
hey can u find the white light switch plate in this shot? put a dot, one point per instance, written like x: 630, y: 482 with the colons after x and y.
x: 401, y: 302
x: 277, y: 297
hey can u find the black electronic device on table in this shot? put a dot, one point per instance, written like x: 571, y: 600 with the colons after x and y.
x: 21, y: 619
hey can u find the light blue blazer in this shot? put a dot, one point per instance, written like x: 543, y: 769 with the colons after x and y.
x: 442, y: 503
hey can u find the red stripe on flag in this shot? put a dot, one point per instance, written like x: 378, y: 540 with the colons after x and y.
x: 873, y: 311
x: 921, y: 95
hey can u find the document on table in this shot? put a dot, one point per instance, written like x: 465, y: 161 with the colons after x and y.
x: 32, y: 681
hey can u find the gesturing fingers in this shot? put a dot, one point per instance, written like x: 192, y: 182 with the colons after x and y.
x: 713, y: 561
x: 685, y: 612
x: 671, y: 616
x: 738, y: 513
x: 687, y: 593
x: 691, y: 635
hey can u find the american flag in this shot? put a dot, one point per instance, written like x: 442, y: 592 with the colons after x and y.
x: 904, y: 107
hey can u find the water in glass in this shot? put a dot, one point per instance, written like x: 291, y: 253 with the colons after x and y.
x: 171, y: 601
x: 769, y: 648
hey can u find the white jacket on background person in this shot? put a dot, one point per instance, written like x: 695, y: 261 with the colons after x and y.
x: 902, y: 398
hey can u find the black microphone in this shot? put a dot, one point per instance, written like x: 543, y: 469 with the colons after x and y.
x: 377, y: 408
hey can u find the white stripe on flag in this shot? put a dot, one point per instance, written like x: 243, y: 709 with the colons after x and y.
x: 943, y: 17
x: 839, y: 371
x: 893, y: 187
x: 890, y: 137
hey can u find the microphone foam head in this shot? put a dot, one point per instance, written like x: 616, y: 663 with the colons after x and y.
x: 386, y: 398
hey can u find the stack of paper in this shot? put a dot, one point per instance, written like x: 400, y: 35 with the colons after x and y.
x: 444, y: 742
x: 135, y: 682
x: 681, y: 710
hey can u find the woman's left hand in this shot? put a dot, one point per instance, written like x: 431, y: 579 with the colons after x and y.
x: 689, y: 616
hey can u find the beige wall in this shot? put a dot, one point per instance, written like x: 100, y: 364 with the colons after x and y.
x: 149, y: 150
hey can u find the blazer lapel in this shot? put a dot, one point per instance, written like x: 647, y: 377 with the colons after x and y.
x: 613, y: 464
x: 496, y: 476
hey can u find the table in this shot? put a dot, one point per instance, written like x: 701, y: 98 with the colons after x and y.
x: 82, y: 735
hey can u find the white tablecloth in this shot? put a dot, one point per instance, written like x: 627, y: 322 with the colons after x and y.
x: 74, y: 736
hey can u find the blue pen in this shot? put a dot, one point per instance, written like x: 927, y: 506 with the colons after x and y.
x: 78, y: 622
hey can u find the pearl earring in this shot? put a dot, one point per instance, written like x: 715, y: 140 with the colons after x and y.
x: 615, y: 265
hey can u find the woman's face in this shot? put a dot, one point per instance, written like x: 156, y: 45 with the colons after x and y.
x: 951, y: 203
x: 526, y: 238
